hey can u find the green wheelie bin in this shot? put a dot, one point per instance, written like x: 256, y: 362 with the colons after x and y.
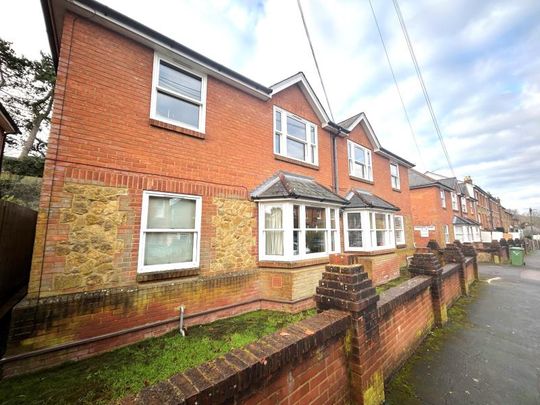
x: 517, y: 256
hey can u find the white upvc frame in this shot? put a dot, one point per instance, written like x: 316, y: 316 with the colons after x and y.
x: 402, y: 229
x: 446, y: 234
x: 351, y: 146
x: 464, y: 204
x: 142, y: 268
x: 397, y: 186
x: 442, y: 196
x: 369, y: 234
x: 288, y: 223
x: 312, y: 148
x: 454, y: 201
x: 155, y: 87
x: 459, y: 235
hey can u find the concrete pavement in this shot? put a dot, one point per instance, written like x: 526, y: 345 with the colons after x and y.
x: 495, y: 357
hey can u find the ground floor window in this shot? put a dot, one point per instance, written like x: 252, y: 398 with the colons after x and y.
x: 399, y: 230
x: 446, y: 234
x: 466, y: 233
x: 170, y: 231
x: 367, y: 230
x: 292, y: 231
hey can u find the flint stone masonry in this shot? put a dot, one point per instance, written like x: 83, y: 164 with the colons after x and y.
x: 92, y: 249
x: 234, y: 243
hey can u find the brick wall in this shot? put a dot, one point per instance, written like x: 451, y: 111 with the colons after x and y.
x: 451, y: 284
x: 428, y: 211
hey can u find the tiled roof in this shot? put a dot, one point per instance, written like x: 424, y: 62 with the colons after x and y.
x: 417, y: 180
x: 348, y: 122
x: 288, y: 185
x: 464, y: 221
x: 365, y: 199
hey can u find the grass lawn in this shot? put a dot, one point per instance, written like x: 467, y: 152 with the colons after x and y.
x: 111, y: 376
x: 404, y: 275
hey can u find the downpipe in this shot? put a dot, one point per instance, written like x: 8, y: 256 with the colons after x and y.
x: 181, y: 325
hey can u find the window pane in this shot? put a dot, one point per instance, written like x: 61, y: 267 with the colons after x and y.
x: 333, y: 241
x: 354, y: 221
x: 274, y: 243
x: 296, y: 242
x: 393, y: 170
x: 296, y: 128
x: 312, y: 131
x: 332, y: 218
x: 273, y: 217
x: 278, y: 121
x: 171, y: 213
x: 315, y: 242
x: 277, y: 143
x: 179, y: 82
x: 398, y: 222
x: 359, y: 156
x: 313, y: 153
x: 176, y: 109
x: 380, y: 238
x: 165, y: 248
x: 315, y: 217
x: 296, y: 149
x: 296, y: 216
x: 355, y: 238
x: 379, y: 221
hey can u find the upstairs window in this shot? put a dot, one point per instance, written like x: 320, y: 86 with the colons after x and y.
x: 464, y: 204
x: 443, y: 198
x: 394, y: 176
x: 359, y: 161
x: 178, y: 96
x: 454, y: 202
x: 295, y: 137
x: 399, y: 230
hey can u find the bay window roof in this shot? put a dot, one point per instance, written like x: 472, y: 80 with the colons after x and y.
x: 364, y: 199
x: 293, y: 186
x: 464, y: 221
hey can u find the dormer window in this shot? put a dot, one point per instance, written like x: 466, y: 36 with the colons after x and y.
x: 178, y: 95
x: 359, y: 161
x: 294, y: 137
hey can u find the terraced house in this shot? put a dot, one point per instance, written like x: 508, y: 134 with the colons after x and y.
x: 173, y: 181
x: 444, y: 209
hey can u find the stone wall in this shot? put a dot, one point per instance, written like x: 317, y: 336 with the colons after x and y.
x: 234, y: 243
x: 92, y: 249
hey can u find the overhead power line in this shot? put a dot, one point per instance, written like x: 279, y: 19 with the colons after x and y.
x: 423, y: 85
x: 397, y: 86
x: 315, y: 59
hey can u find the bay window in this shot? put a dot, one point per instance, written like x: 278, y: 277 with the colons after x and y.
x: 359, y: 161
x: 394, y: 176
x: 170, y: 232
x: 178, y: 95
x: 458, y: 232
x: 367, y: 230
x: 293, y: 231
x: 294, y: 137
x: 399, y: 230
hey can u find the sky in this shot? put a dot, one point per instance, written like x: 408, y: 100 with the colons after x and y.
x: 480, y: 61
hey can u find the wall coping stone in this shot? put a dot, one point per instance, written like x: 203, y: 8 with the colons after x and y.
x: 233, y: 375
x: 450, y: 268
x: 398, y: 295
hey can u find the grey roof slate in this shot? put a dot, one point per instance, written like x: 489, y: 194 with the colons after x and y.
x: 417, y: 179
x: 364, y: 199
x: 464, y: 221
x: 288, y: 185
x: 347, y: 123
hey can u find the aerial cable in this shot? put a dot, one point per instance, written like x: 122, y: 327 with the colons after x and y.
x: 315, y: 59
x: 422, y: 84
x: 397, y: 86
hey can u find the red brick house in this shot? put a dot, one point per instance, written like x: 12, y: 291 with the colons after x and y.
x: 172, y: 181
x: 7, y: 127
x: 444, y: 209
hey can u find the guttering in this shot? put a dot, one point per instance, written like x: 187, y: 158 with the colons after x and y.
x: 393, y: 156
x: 118, y: 22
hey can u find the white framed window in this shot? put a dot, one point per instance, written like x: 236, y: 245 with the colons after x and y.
x: 454, y: 202
x: 293, y: 230
x: 359, y: 161
x: 178, y: 95
x: 295, y: 137
x: 368, y: 230
x: 170, y: 231
x: 443, y: 198
x: 458, y: 233
x: 446, y: 234
x: 399, y: 230
x: 464, y: 204
x: 394, y: 176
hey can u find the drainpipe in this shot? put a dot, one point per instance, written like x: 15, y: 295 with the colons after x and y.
x: 335, y: 181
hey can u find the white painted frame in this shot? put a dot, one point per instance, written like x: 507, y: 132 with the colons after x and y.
x: 442, y: 197
x: 398, y: 179
x: 288, y: 222
x: 454, y: 198
x: 369, y: 235
x: 310, y: 158
x: 155, y: 87
x: 142, y: 268
x: 402, y: 220
x: 368, y: 158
